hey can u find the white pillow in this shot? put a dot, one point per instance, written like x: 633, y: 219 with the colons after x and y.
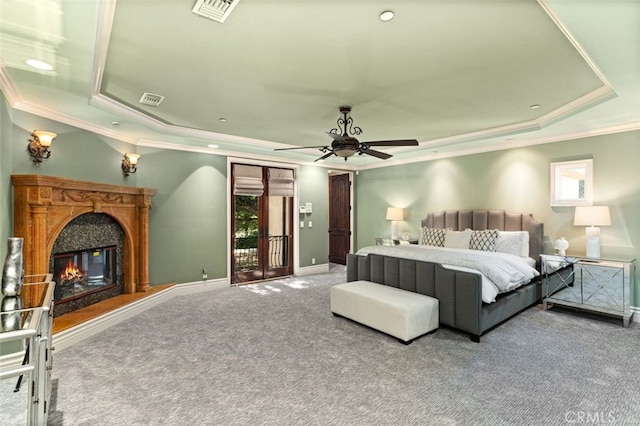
x: 513, y: 242
x: 457, y: 239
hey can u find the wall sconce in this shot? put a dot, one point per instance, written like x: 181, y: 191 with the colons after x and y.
x: 592, y: 217
x: 394, y: 214
x: 130, y: 163
x: 39, y: 146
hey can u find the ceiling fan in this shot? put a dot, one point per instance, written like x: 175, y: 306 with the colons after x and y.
x: 345, y: 145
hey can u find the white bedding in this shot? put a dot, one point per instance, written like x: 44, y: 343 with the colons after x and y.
x: 501, y: 272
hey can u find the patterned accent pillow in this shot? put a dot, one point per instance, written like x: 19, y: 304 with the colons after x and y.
x: 432, y: 237
x: 484, y: 240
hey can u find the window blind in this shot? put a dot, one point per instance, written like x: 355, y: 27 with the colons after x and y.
x: 247, y: 180
x: 280, y: 182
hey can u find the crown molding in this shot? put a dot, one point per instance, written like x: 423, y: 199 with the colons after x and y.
x: 8, y: 87
x: 629, y: 127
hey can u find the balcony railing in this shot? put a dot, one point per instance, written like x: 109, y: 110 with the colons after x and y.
x: 245, y: 252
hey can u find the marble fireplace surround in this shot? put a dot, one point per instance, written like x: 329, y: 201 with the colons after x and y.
x: 44, y: 205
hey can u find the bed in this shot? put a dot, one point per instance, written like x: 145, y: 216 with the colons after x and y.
x: 462, y: 288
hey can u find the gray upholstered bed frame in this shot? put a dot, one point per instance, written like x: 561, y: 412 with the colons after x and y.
x: 459, y: 292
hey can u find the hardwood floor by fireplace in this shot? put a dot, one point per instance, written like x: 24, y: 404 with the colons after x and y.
x: 80, y: 316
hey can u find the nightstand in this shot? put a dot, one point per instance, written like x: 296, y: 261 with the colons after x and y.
x: 387, y: 241
x: 602, y: 286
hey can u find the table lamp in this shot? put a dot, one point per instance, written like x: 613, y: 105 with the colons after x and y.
x: 394, y: 214
x: 592, y: 217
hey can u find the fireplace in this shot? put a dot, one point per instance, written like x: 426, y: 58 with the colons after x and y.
x: 58, y: 216
x: 87, y: 262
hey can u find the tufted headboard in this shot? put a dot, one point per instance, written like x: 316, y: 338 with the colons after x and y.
x: 502, y: 220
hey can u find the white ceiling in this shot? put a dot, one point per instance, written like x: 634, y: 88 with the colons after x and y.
x: 459, y: 76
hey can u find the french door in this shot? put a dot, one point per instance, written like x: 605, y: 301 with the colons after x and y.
x: 262, y: 223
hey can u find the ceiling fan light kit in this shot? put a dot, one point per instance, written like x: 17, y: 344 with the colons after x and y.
x: 345, y: 145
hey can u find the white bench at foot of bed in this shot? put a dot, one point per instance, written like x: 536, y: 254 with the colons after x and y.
x: 399, y: 313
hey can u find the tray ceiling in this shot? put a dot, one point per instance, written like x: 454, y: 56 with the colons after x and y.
x: 458, y: 76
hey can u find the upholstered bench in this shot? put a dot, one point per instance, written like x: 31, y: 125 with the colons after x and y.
x: 399, y: 313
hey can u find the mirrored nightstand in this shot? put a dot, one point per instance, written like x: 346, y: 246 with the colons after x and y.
x: 387, y: 241
x: 596, y: 285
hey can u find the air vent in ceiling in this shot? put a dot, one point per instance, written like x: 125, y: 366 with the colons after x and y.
x: 151, y: 99
x: 217, y: 10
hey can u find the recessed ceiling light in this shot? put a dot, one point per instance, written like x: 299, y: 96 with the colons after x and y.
x: 40, y: 65
x: 386, y: 16
x: 212, y: 146
x: 222, y: 120
x: 534, y: 106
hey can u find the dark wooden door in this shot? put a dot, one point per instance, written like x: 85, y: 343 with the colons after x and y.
x: 339, y: 218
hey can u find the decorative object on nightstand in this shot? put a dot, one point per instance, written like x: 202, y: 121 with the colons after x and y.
x: 394, y: 214
x: 561, y: 245
x: 592, y: 217
x: 600, y: 286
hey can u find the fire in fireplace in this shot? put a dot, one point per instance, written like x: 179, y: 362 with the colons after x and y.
x: 82, y: 272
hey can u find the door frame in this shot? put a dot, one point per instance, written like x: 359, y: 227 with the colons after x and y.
x: 352, y: 237
x: 296, y: 230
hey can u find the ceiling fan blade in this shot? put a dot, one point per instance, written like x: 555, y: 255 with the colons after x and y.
x: 301, y: 147
x: 398, y: 142
x: 324, y: 156
x: 374, y: 153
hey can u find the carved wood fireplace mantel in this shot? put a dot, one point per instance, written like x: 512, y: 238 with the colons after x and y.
x: 44, y: 205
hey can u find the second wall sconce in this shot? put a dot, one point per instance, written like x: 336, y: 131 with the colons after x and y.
x: 39, y: 146
x: 130, y: 163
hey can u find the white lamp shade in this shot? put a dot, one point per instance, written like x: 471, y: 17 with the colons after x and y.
x: 592, y: 216
x: 394, y: 213
x: 45, y: 138
x: 133, y: 158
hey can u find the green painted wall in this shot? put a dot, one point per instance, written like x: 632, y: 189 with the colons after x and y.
x: 75, y: 154
x: 314, y: 241
x: 6, y: 218
x: 516, y: 180
x: 188, y: 220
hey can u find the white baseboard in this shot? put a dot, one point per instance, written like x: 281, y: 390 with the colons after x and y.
x: 314, y: 269
x: 73, y: 335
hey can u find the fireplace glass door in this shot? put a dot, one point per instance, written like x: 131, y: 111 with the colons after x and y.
x: 262, y: 226
x: 84, y: 271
